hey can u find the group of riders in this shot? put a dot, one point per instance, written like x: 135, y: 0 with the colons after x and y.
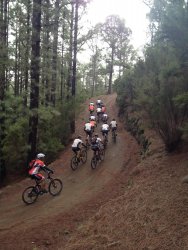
x: 93, y: 139
x: 36, y: 165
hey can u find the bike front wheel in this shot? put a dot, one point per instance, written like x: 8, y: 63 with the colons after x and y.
x: 94, y: 162
x: 74, y: 163
x: 55, y: 187
x: 29, y: 195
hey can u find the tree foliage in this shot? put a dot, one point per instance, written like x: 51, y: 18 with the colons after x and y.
x: 160, y: 78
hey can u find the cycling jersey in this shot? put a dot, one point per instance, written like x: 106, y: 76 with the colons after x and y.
x: 96, y: 143
x: 103, y: 109
x: 105, y: 127
x: 113, y: 124
x: 91, y: 108
x: 77, y: 143
x: 92, y: 118
x: 98, y: 110
x: 98, y: 101
x: 38, y: 164
x: 105, y: 116
x: 93, y: 123
x: 87, y: 126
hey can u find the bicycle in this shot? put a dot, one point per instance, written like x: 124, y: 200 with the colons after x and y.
x: 97, y: 157
x: 75, y: 161
x: 114, y: 135
x: 98, y: 117
x: 31, y: 193
x: 105, y: 141
x: 87, y: 142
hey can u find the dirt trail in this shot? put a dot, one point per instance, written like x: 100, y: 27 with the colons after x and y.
x: 81, y: 188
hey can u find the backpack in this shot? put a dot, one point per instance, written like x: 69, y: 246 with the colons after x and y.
x: 31, y: 164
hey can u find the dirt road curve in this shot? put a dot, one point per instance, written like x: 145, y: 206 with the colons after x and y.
x: 20, y: 225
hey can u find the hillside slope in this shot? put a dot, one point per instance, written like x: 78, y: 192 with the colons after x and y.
x: 126, y: 203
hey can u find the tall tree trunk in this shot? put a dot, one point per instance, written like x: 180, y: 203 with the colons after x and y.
x: 111, y: 71
x: 62, y: 57
x: 70, y: 62
x: 54, y: 52
x: 26, y: 69
x: 74, y: 64
x: 35, y: 68
x: 46, y: 76
x: 3, y: 64
x: 16, y: 87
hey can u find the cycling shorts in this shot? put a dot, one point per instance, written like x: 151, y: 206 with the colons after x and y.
x: 37, y: 177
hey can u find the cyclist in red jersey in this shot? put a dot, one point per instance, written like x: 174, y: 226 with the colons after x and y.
x: 91, y: 108
x: 36, y: 166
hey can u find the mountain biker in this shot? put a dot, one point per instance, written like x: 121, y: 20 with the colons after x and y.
x: 104, y: 117
x: 96, y: 144
x: 92, y: 118
x: 91, y: 108
x: 103, y: 109
x: 98, y: 112
x: 36, y: 166
x: 76, y: 146
x: 93, y: 125
x: 104, y: 129
x: 88, y: 129
x: 113, y: 125
x: 93, y: 122
x: 98, y: 103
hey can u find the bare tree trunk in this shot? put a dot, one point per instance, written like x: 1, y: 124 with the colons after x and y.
x: 111, y: 72
x: 94, y: 74
x: 62, y: 58
x: 54, y: 57
x: 35, y: 68
x: 46, y: 76
x: 26, y: 69
x: 74, y: 64
x: 3, y: 63
x: 70, y: 66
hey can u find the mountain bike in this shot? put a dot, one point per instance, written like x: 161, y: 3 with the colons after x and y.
x: 87, y: 142
x: 114, y: 135
x: 98, y: 117
x: 76, y: 161
x: 105, y: 141
x: 31, y: 193
x: 97, y: 156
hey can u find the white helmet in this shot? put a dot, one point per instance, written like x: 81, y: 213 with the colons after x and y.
x: 40, y: 155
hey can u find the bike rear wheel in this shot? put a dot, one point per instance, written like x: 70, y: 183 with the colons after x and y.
x: 29, y: 195
x: 83, y: 156
x: 55, y: 187
x: 74, y: 163
x: 114, y: 136
x: 102, y: 154
x: 94, y: 162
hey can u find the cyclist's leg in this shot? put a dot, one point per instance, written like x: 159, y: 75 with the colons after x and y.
x: 42, y: 182
x: 78, y: 153
x: 107, y: 135
x: 103, y: 135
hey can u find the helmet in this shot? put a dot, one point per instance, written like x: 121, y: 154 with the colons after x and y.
x: 40, y: 155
